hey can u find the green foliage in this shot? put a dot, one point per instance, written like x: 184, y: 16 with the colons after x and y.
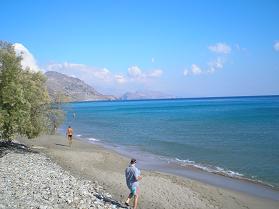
x: 56, y: 118
x: 24, y: 102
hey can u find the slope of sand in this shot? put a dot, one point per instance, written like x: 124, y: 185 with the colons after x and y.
x: 158, y: 190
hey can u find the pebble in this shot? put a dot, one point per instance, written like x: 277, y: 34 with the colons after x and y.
x: 32, y: 180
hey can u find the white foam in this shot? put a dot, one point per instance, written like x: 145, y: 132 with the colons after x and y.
x: 93, y: 139
x: 233, y: 173
x: 79, y: 135
x: 185, y: 161
x: 211, y: 169
x: 219, y: 169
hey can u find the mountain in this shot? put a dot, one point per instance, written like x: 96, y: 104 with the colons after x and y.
x: 72, y: 89
x: 138, y: 95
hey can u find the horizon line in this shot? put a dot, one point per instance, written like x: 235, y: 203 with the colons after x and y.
x: 178, y: 98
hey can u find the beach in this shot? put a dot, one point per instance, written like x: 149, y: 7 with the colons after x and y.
x: 158, y: 190
x: 189, y: 90
x: 234, y: 137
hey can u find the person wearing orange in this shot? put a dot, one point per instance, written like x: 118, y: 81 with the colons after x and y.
x: 70, y: 135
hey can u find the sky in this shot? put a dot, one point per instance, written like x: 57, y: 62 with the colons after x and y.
x: 187, y: 48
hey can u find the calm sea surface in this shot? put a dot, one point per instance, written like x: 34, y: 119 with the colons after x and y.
x: 236, y: 136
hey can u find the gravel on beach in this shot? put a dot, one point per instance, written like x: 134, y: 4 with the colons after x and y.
x: 32, y: 180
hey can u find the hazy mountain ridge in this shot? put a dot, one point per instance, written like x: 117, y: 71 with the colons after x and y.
x: 138, y: 95
x: 72, y: 89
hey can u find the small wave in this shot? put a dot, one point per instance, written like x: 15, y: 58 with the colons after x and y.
x: 93, y: 139
x: 184, y: 161
x: 211, y: 169
x: 79, y: 135
x: 221, y: 171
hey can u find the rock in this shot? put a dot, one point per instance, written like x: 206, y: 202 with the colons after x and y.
x: 32, y: 180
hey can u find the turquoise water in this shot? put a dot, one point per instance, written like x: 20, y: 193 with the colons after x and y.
x: 238, y: 136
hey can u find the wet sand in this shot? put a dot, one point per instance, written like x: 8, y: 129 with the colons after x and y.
x: 158, y: 190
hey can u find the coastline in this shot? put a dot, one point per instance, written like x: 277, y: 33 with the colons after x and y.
x: 158, y: 190
x: 154, y: 163
x: 228, y: 137
x: 194, y: 171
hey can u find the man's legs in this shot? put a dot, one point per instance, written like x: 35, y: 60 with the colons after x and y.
x: 70, y: 139
x: 129, y: 198
x: 134, y: 193
x: 136, y: 201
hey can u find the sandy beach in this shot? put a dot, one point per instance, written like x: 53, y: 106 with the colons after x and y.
x: 158, y: 190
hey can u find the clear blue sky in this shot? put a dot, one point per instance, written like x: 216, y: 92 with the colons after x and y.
x: 184, y: 48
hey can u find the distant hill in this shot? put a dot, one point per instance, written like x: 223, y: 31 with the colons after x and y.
x: 72, y: 89
x: 138, y: 95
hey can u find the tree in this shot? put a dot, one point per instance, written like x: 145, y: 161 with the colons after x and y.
x: 24, y: 102
x: 56, y: 115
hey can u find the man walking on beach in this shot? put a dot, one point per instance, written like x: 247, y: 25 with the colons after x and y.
x: 70, y: 135
x: 132, y: 174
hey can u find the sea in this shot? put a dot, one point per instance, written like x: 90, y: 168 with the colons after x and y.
x: 237, y: 137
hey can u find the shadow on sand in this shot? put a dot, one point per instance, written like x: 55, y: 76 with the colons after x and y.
x: 6, y: 147
x: 63, y: 145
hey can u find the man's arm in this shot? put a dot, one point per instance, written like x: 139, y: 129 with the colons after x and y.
x: 137, y: 175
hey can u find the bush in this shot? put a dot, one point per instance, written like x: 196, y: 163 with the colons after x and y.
x: 25, y: 107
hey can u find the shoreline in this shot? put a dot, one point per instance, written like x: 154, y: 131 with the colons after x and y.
x: 159, y: 190
x: 151, y: 162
